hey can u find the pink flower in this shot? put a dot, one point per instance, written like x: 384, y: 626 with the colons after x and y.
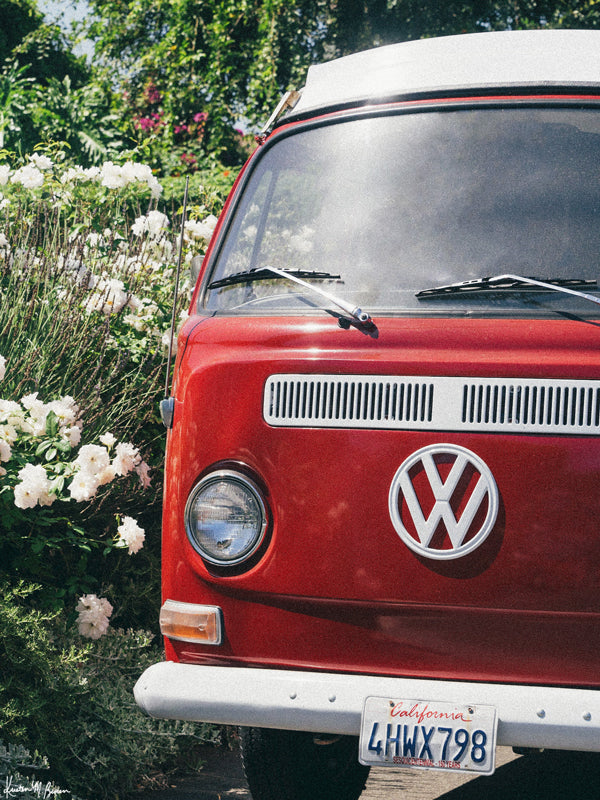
x: 151, y: 123
x: 151, y: 94
x: 189, y: 159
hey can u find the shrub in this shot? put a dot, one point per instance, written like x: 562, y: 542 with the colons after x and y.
x: 87, y: 262
x: 57, y: 684
x: 86, y: 276
x: 24, y: 775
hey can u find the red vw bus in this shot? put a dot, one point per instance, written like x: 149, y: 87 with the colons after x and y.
x: 382, y: 504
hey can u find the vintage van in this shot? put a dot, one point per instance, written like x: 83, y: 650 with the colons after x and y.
x: 382, y: 503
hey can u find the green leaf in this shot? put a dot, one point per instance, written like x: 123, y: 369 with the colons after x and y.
x: 43, y: 446
x: 52, y: 424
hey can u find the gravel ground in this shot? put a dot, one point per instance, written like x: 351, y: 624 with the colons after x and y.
x: 545, y: 776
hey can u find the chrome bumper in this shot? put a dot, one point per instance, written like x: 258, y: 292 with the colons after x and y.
x: 528, y: 716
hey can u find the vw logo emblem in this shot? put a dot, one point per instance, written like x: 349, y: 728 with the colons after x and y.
x: 443, y: 501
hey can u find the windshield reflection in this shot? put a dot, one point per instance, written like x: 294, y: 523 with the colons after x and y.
x: 401, y: 202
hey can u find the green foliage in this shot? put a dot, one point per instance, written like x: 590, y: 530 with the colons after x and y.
x: 86, y: 287
x: 46, y: 53
x: 15, y: 94
x: 24, y: 775
x: 80, y: 118
x: 356, y: 25
x: 186, y: 72
x: 176, y: 61
x: 171, y: 80
x: 32, y: 690
x: 18, y: 18
x: 208, y: 190
x: 55, y: 684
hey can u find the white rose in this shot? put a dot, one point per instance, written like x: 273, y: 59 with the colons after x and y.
x: 41, y: 162
x: 131, y: 535
x: 157, y: 222
x: 143, y: 472
x: 93, y: 615
x: 5, y: 450
x: 28, y: 176
x: 72, y: 435
x: 92, y: 459
x: 112, y: 176
x: 83, y: 486
x: 108, y: 440
x: 126, y: 459
x: 155, y: 187
x: 34, y: 487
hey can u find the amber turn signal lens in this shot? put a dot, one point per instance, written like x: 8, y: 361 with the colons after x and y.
x: 188, y: 622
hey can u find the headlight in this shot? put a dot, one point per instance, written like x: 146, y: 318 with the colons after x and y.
x: 225, y: 518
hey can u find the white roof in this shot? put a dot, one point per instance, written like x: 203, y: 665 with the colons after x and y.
x: 539, y: 58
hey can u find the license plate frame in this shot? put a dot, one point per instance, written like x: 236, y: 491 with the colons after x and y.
x: 428, y: 734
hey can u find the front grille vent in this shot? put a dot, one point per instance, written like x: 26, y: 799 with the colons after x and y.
x: 550, y: 406
x: 433, y: 403
x: 349, y: 400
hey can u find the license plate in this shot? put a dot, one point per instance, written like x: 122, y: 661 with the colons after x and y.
x: 428, y: 734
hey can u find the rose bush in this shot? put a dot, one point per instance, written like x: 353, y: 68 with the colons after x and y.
x: 87, y: 266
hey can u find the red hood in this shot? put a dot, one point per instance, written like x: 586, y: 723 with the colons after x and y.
x: 336, y: 565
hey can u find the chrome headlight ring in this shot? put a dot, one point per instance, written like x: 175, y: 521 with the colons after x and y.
x: 226, y: 518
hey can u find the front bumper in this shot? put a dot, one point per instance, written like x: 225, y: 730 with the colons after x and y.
x: 528, y: 716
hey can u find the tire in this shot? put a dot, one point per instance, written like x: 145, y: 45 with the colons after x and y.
x: 295, y: 765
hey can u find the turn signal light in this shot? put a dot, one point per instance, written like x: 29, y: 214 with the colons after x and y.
x: 188, y: 622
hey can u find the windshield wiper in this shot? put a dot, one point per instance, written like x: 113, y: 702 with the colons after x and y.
x: 515, y: 283
x: 296, y: 276
x: 264, y: 273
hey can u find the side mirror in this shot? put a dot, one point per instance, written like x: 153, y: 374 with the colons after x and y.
x: 195, y: 267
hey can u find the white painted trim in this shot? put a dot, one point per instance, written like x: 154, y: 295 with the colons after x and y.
x: 528, y: 716
x: 427, y: 402
x: 539, y: 58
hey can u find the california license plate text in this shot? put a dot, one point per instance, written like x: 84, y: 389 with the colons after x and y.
x: 430, y: 735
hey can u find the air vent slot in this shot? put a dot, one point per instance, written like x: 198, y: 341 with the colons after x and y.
x: 502, y: 405
x: 347, y: 401
x: 532, y: 406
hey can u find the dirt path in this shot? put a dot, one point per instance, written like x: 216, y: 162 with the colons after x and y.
x: 548, y: 776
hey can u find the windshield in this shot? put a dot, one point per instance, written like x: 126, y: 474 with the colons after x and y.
x: 399, y: 203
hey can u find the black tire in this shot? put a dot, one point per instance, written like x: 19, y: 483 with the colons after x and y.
x: 294, y: 765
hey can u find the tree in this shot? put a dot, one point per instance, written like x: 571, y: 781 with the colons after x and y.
x: 15, y: 95
x: 43, y: 49
x: 176, y: 59
x: 358, y: 24
x: 17, y: 19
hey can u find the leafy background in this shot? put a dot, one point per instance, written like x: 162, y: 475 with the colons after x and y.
x: 169, y: 90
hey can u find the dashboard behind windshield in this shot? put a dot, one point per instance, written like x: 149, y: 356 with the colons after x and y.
x: 405, y: 201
